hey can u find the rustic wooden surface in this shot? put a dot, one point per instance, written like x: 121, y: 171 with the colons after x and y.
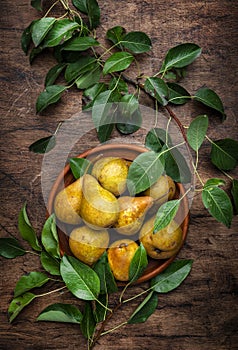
x: 203, y: 312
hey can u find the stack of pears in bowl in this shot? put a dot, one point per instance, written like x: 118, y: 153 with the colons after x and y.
x: 96, y: 213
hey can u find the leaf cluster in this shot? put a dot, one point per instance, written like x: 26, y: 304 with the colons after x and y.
x: 92, y: 285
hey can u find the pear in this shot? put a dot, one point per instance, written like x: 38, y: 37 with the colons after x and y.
x: 111, y: 173
x: 87, y: 244
x: 162, y: 191
x: 132, y: 213
x: 120, y: 253
x: 163, y: 244
x: 67, y: 203
x: 99, y: 207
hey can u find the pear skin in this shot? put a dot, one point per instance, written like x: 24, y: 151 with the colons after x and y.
x: 162, y: 191
x: 99, y: 207
x: 132, y: 213
x: 120, y: 254
x: 164, y: 243
x: 111, y: 173
x: 67, y: 203
x: 87, y: 244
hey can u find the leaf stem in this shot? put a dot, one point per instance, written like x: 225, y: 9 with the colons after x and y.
x: 179, y: 97
x: 197, y: 173
x: 114, y: 328
x: 51, y: 7
x: 51, y: 292
x: 31, y: 252
x: 103, y: 324
x: 229, y: 176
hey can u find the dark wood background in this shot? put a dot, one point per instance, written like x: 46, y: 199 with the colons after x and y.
x: 203, y: 312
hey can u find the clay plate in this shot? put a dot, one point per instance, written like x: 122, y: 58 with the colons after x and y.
x: 129, y: 152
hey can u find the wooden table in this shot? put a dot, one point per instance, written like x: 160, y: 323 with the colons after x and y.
x: 203, y: 312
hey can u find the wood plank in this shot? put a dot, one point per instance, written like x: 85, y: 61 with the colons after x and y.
x: 202, y: 312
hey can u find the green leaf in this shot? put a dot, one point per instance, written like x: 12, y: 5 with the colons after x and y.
x: 234, y: 192
x: 145, y: 309
x: 136, y: 42
x: 107, y: 280
x: 49, y: 237
x: 93, y: 11
x: 117, y: 62
x: 218, y: 203
x: 115, y: 34
x: 88, y: 322
x: 128, y: 105
x: 95, y: 90
x: 89, y: 78
x: 81, y: 5
x: 50, y: 264
x: 17, y: 304
x: 214, y: 182
x: 156, y: 138
x: 118, y: 84
x: 91, y: 8
x: 36, y: 4
x: 103, y: 114
x: 79, y: 166
x: 26, y: 37
x: 165, y: 214
x: 176, y: 166
x: 61, y: 313
x: 53, y: 74
x: 79, y: 278
x: 138, y: 263
x: 130, y: 124
x: 26, y: 230
x: 224, y: 154
x: 144, y: 171
x: 209, y: 98
x: 30, y: 281
x: 128, y: 114
x: 43, y: 145
x: 80, y: 43
x: 180, y: 56
x: 10, y: 248
x: 82, y: 65
x: 35, y: 52
x: 61, y: 31
x: 177, y: 94
x: 197, y: 131
x: 100, y: 310
x: 40, y: 29
x: 157, y: 88
x: 172, y: 276
x: 51, y: 94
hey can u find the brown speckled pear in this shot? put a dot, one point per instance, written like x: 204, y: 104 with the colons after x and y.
x: 111, y: 173
x: 120, y: 254
x: 162, y: 191
x: 164, y: 243
x: 87, y: 244
x: 99, y: 207
x: 67, y: 203
x: 132, y: 213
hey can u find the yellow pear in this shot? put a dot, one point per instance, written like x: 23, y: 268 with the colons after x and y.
x: 67, y: 203
x: 99, y: 207
x: 87, y: 244
x: 132, y: 213
x: 163, y: 190
x: 120, y: 254
x: 111, y: 173
x: 164, y: 243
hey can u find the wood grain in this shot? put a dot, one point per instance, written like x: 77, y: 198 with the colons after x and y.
x: 203, y: 312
